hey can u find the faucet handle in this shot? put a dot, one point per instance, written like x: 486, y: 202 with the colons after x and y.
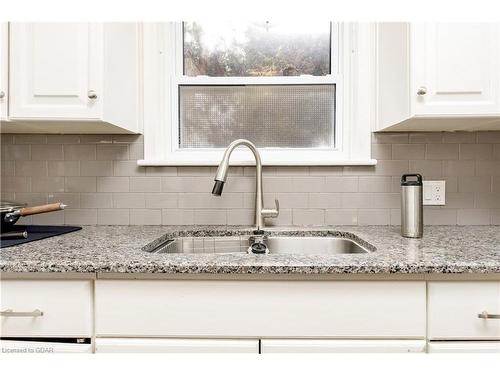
x: 272, y: 212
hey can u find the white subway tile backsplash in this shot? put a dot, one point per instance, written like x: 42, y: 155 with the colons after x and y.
x: 113, y: 217
x: 459, y: 168
x: 30, y: 139
x: 375, y: 184
x: 79, y: 184
x: 47, y: 152
x: 173, y: 216
x: 80, y: 216
x: 129, y: 200
x: 33, y: 168
x: 16, y: 152
x: 474, y: 216
x: 440, y: 216
x: 325, y: 200
x: 459, y: 137
x: 127, y: 168
x: 374, y: 217
x: 111, y: 152
x: 145, y: 217
x: 341, y: 217
x: 435, y: 137
x: 64, y: 168
x: 79, y: 152
x: 96, y: 200
x: 308, y: 217
x: 145, y: 184
x: 441, y: 151
x: 16, y: 185
x: 476, y: 152
x: 46, y: 184
x: 488, y: 168
x: 488, y: 137
x: 113, y: 184
x: 98, y: 177
x: 471, y: 184
x: 161, y: 200
x: 381, y: 151
x: 341, y: 184
x: 96, y: 168
x: 210, y: 217
x: 408, y: 152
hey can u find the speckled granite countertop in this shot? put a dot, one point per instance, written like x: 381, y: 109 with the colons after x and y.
x: 119, y: 249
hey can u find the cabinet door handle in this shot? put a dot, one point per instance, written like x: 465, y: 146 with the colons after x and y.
x: 92, y: 94
x: 2, y: 94
x: 485, y: 315
x: 10, y: 312
x: 422, y: 90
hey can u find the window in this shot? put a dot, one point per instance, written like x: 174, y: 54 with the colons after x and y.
x: 278, y: 84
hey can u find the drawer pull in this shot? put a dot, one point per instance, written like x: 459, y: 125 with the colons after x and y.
x: 485, y: 315
x: 10, y: 312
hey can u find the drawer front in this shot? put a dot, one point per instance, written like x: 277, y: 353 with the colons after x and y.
x: 41, y: 347
x: 342, y: 346
x: 66, y: 306
x: 152, y: 345
x: 260, y: 308
x: 454, y: 307
x: 464, y: 347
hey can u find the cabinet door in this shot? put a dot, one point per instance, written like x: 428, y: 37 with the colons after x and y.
x: 4, y: 45
x: 285, y: 309
x: 455, y: 69
x: 342, y: 346
x: 161, y: 345
x: 455, y: 309
x: 56, y: 68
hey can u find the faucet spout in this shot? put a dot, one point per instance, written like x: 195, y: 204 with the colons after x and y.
x: 221, y: 176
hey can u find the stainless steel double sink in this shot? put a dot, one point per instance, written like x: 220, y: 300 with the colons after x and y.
x: 283, y: 244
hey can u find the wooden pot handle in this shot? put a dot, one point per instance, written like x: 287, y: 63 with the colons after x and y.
x: 41, y: 209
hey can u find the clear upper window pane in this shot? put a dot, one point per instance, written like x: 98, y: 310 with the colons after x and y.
x: 286, y: 116
x: 245, y: 49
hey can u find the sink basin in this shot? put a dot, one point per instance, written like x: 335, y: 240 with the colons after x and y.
x: 313, y: 245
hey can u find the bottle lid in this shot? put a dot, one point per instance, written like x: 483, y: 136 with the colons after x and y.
x: 415, y: 181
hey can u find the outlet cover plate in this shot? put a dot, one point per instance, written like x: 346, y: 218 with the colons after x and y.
x: 434, y: 193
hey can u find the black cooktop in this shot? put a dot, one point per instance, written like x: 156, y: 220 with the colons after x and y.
x: 37, y: 232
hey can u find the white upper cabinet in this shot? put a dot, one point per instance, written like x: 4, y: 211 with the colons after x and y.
x: 56, y: 70
x: 4, y: 58
x: 75, y: 77
x: 456, y: 69
x: 438, y: 76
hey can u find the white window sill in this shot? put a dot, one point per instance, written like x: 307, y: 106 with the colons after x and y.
x: 208, y: 162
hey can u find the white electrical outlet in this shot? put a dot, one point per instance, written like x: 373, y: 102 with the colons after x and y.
x: 434, y: 193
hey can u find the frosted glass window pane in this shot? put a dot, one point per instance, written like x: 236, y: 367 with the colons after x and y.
x: 288, y: 116
x: 230, y: 49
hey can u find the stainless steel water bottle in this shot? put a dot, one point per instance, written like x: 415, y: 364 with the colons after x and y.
x: 411, y: 206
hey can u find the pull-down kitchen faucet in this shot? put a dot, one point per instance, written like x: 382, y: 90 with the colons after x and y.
x: 220, y: 179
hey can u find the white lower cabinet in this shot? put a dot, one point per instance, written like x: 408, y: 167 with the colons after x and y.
x: 464, y: 347
x: 281, y: 309
x: 342, y: 346
x: 463, y: 310
x: 46, y: 308
x: 42, y: 347
x: 161, y: 345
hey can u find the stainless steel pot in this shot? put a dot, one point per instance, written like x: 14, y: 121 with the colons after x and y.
x: 11, y: 212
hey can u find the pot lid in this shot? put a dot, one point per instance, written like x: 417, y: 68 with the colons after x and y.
x: 7, y: 206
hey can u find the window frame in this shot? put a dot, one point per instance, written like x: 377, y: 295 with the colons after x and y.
x: 164, y: 57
